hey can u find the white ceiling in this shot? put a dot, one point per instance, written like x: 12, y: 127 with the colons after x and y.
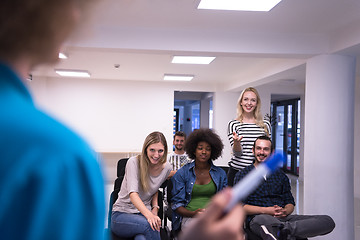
x: 251, y: 47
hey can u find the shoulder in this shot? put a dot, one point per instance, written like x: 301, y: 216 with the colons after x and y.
x: 245, y: 170
x: 233, y: 122
x: 267, y: 122
x: 282, y: 174
x: 218, y: 169
x: 133, y: 160
x: 43, y: 147
x: 167, y: 167
x: 184, y: 170
x: 42, y: 132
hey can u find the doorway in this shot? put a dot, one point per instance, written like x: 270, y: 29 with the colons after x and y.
x: 192, y: 110
x: 286, y: 132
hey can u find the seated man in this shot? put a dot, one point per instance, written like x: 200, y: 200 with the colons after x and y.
x: 178, y: 158
x: 270, y: 206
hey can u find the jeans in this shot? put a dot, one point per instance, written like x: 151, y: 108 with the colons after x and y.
x: 132, y: 225
x: 299, y: 226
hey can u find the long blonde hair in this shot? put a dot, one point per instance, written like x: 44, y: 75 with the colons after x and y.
x: 259, y: 121
x: 144, y: 162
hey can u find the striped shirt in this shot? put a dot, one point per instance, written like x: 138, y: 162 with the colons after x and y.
x: 249, y: 131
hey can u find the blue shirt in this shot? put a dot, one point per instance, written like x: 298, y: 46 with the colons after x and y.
x: 51, y: 183
x: 275, y: 190
x: 183, y: 182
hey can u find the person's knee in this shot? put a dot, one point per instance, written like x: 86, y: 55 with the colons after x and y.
x: 262, y: 218
x: 328, y: 222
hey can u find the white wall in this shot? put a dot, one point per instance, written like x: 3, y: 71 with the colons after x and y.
x: 113, y: 116
x: 116, y: 116
x: 224, y: 106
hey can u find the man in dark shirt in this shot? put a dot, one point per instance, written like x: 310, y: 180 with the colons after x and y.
x: 270, y: 206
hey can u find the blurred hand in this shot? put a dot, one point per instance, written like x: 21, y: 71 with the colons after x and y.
x: 213, y: 224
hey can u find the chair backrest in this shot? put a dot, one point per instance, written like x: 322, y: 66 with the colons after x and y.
x: 121, y: 165
x: 120, y: 173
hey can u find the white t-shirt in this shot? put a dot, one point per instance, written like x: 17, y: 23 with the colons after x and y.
x: 178, y: 160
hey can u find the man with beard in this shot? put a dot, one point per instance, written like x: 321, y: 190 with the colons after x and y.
x: 270, y: 206
x: 178, y: 158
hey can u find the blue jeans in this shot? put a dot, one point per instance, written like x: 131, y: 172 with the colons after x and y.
x: 132, y: 225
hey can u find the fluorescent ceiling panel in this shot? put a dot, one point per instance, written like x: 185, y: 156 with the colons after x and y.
x: 72, y: 73
x: 62, y: 56
x: 173, y: 77
x: 192, y: 59
x: 239, y: 5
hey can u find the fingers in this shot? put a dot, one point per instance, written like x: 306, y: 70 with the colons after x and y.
x: 234, y: 220
x: 155, y: 223
x: 237, y: 137
x: 217, y: 205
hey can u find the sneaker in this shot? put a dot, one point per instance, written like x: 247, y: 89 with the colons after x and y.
x: 266, y: 235
x: 284, y: 234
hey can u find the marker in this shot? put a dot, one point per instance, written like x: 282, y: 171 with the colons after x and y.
x: 252, y: 180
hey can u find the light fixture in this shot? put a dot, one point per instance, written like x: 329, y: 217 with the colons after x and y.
x: 239, y: 5
x: 192, y: 59
x: 178, y: 77
x: 72, y: 73
x: 63, y: 56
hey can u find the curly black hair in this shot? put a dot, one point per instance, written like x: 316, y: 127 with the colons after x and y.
x: 204, y: 135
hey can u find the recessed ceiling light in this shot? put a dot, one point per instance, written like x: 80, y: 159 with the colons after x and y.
x: 239, y: 5
x: 72, y: 73
x: 173, y: 77
x: 192, y: 59
x: 62, y: 56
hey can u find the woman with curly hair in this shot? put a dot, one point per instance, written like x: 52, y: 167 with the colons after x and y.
x: 195, y: 183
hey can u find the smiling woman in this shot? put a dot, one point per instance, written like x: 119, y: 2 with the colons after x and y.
x: 243, y: 131
x: 135, y: 212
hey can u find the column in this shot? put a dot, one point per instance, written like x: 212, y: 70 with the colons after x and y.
x: 329, y: 141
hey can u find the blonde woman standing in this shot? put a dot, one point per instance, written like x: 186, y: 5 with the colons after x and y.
x: 242, y: 131
x: 135, y: 212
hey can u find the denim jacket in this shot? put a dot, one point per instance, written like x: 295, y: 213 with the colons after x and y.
x: 183, y: 182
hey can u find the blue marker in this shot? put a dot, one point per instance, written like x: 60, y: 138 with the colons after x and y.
x: 252, y: 180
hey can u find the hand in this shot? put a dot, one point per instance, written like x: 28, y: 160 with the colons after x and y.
x: 212, y: 224
x: 276, y: 211
x: 155, y: 222
x: 199, y: 211
x: 237, y: 138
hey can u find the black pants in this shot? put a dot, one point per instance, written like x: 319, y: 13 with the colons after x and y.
x: 231, y: 175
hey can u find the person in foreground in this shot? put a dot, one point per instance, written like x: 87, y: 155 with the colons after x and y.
x: 194, y: 184
x: 270, y: 206
x: 51, y: 183
x: 135, y: 212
